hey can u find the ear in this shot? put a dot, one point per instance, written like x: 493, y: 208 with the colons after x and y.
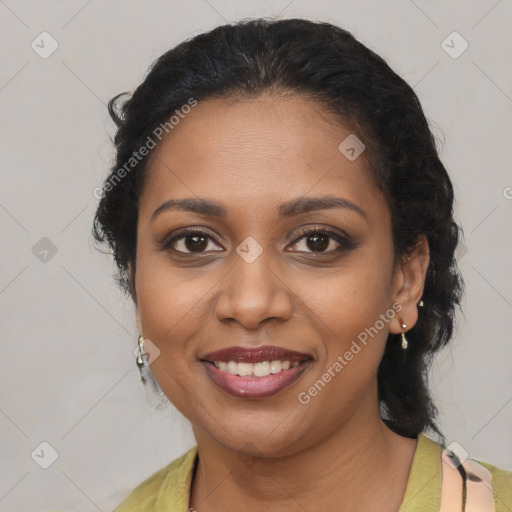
x: 131, y: 278
x: 408, y: 284
x: 139, y: 325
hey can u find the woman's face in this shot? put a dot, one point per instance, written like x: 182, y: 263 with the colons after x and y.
x: 254, y: 170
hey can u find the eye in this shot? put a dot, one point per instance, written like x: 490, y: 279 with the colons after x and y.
x: 189, y: 242
x: 319, y: 240
x: 315, y: 241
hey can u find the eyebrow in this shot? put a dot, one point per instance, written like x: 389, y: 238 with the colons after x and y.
x: 297, y: 206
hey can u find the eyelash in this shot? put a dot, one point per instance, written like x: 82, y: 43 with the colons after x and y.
x: 346, y: 243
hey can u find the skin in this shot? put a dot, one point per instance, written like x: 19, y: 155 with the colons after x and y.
x: 275, y: 453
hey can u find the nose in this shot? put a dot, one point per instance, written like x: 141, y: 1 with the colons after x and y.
x: 255, y: 292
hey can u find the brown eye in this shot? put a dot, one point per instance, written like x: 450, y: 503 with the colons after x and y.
x: 195, y: 243
x: 318, y: 241
x: 190, y: 242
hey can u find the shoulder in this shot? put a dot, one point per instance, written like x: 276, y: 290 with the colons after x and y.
x: 486, y: 474
x: 501, y: 485
x: 426, y: 481
x: 169, y: 486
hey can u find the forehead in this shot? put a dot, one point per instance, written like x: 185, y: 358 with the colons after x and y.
x: 257, y: 152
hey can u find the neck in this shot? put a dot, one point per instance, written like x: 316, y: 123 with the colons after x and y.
x: 362, y: 464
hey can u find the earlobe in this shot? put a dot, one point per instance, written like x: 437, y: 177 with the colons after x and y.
x: 139, y: 324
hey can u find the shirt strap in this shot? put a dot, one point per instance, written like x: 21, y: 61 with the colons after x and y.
x: 465, y: 487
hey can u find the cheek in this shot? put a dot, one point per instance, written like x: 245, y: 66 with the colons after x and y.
x: 353, y: 304
x: 356, y: 291
x: 166, y: 290
x: 171, y: 305
x: 170, y: 310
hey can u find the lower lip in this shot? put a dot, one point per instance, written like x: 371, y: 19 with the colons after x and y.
x: 254, y: 387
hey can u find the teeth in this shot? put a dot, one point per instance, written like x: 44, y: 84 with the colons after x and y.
x: 262, y: 369
x: 275, y: 366
x: 245, y: 369
x: 232, y: 367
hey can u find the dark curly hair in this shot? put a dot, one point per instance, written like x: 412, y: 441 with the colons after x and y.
x: 328, y: 64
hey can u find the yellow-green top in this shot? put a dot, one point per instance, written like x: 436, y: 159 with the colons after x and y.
x: 168, y: 490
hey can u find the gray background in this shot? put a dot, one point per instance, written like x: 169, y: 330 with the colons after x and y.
x: 68, y: 372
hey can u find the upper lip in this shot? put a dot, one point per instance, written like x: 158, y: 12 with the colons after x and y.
x: 255, y: 355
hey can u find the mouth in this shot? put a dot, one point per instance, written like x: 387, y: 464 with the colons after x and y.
x: 257, y: 372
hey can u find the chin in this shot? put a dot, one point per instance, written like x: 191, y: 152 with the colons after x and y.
x: 273, y: 435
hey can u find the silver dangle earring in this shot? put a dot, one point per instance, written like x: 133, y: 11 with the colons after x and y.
x: 154, y: 395
x: 142, y: 361
x: 405, y: 343
x: 141, y: 356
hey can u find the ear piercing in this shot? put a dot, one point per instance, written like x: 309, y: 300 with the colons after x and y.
x: 405, y: 343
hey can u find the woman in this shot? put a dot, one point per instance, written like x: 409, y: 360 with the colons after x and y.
x: 279, y: 214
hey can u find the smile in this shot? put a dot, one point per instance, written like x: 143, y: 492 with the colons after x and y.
x: 262, y: 369
x: 255, y: 373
